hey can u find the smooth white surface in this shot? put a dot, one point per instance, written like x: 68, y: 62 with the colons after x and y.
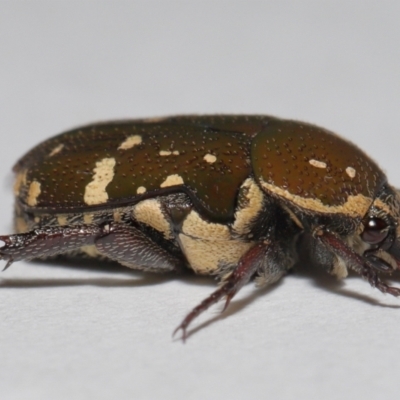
x: 100, y: 332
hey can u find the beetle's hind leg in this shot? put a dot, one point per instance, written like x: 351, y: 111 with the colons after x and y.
x: 46, y: 242
x: 116, y: 240
x: 134, y: 249
x: 368, y: 269
x: 265, y: 259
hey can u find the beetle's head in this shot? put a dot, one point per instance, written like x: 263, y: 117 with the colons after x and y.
x: 379, y: 231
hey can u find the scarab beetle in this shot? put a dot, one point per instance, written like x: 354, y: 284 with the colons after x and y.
x: 238, y: 197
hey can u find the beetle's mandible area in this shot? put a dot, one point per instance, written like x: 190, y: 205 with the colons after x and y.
x: 237, y: 197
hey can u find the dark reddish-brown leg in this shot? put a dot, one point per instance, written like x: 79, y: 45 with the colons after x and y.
x: 359, y: 264
x: 118, y: 241
x: 134, y: 249
x: 246, y: 268
x: 46, y: 242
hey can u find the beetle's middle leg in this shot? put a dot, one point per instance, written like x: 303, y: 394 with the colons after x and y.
x: 265, y: 259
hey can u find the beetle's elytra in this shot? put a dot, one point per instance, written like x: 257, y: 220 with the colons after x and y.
x: 239, y: 197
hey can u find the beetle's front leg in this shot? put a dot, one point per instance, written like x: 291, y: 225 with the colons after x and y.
x: 264, y: 258
x: 364, y: 266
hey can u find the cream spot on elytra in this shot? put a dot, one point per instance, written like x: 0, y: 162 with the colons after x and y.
x: 33, y: 193
x: 141, y: 190
x: 317, y: 164
x: 95, y: 191
x: 130, y: 141
x: 210, y: 158
x: 56, y: 150
x: 351, y: 172
x: 164, y: 153
x: 172, y: 180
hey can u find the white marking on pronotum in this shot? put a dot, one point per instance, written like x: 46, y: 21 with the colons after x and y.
x: 172, y: 180
x: 351, y: 172
x: 56, y: 150
x: 33, y: 193
x: 317, y: 164
x: 210, y: 158
x: 164, y: 153
x: 95, y: 191
x: 130, y: 141
x: 2, y: 243
x: 141, y: 190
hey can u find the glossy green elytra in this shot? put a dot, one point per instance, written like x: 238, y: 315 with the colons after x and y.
x: 240, y: 197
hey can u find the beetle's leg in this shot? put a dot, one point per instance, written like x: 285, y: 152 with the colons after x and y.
x: 117, y: 241
x: 132, y: 248
x: 46, y: 242
x: 360, y: 264
x: 248, y: 265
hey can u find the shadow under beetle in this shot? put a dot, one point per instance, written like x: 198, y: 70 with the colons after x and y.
x: 239, y: 197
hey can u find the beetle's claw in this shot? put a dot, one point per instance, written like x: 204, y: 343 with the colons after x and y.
x: 184, y: 334
x: 383, y: 287
x: 228, y: 299
x: 8, y: 265
x: 3, y: 244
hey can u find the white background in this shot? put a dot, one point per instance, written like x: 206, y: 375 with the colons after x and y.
x: 92, y: 331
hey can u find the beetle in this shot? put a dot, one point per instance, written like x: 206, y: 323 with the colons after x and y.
x: 238, y: 197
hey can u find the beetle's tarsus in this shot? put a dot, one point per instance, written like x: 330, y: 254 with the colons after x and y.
x: 8, y: 265
x: 184, y: 333
x: 246, y: 268
x: 229, y: 297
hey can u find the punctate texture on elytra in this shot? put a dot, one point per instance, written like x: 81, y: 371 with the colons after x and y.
x: 236, y: 196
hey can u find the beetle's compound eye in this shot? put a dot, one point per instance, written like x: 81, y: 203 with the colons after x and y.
x: 375, y: 230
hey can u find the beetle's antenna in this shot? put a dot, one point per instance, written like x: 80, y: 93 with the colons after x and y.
x: 359, y: 264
